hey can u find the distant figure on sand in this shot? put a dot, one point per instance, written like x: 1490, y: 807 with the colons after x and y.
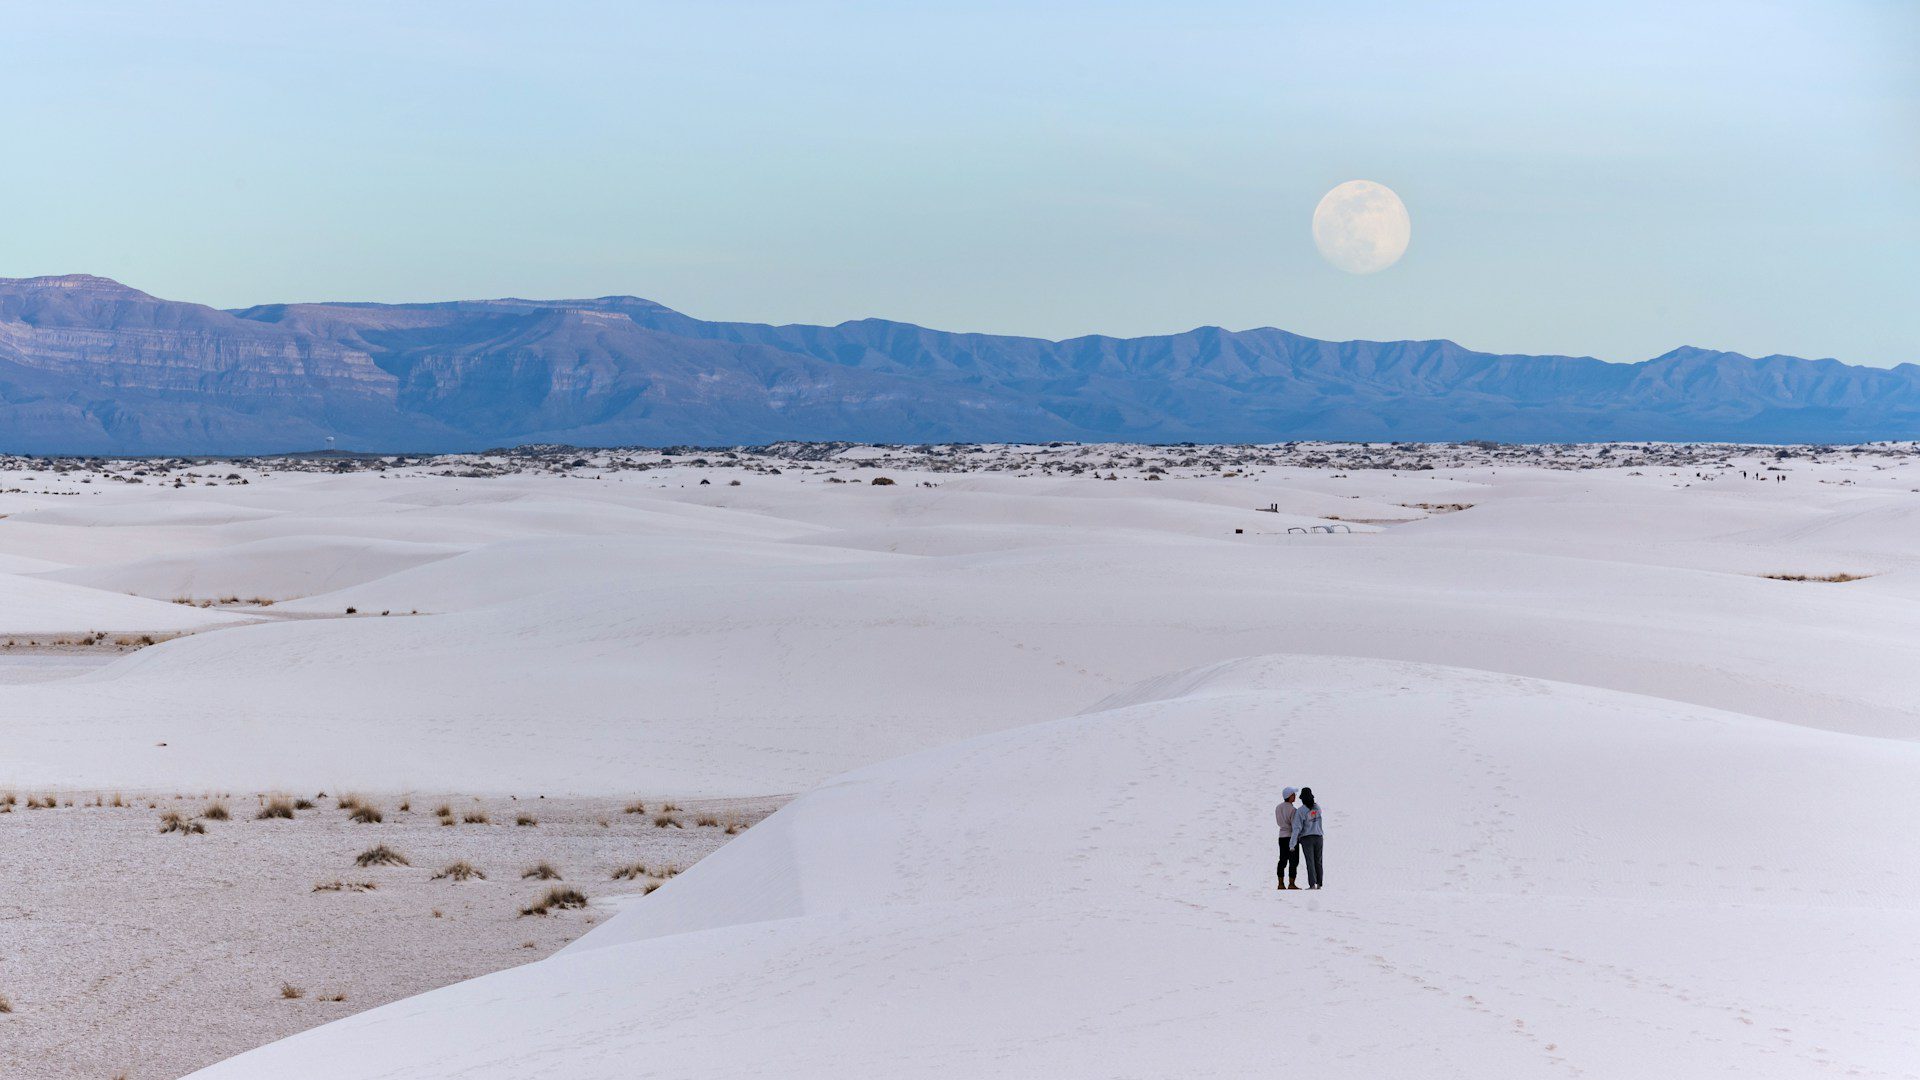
x: 1289, y: 869
x: 1307, y: 835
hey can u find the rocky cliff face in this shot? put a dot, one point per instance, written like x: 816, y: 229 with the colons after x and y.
x: 88, y: 365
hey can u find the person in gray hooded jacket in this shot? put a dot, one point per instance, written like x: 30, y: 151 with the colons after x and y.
x: 1308, y: 833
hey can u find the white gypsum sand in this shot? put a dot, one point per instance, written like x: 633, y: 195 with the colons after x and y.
x: 1563, y: 702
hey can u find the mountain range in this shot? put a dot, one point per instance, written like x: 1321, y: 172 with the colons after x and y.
x: 91, y: 366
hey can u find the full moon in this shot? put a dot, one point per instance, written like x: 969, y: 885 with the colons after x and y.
x: 1361, y: 227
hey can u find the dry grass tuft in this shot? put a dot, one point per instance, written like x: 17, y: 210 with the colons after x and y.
x: 526, y: 819
x: 630, y: 873
x: 708, y: 821
x: 542, y: 871
x: 669, y: 808
x: 636, y: 807
x: 303, y: 804
x: 345, y: 886
x: 117, y: 801
x: 348, y: 802
x: 366, y: 814
x: 460, y: 871
x: 381, y: 855
x: 476, y: 817
x: 175, y: 821
x: 406, y: 806
x: 333, y: 995
x: 1817, y: 577
x: 290, y: 991
x: 557, y: 897
x: 216, y: 811
x: 277, y: 807
x: 662, y: 821
x: 6, y: 1004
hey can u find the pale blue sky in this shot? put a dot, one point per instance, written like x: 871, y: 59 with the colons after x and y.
x: 1611, y: 179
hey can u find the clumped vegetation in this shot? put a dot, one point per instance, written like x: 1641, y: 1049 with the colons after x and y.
x: 460, y: 871
x: 662, y: 821
x: 526, y: 819
x: 1817, y: 577
x: 175, y: 821
x: 6, y: 1004
x: 381, y: 855
x: 277, y: 807
x: 541, y: 871
x: 708, y: 821
x: 556, y: 898
x: 345, y: 886
x: 476, y: 817
x: 216, y: 811
x: 366, y: 814
x: 291, y: 992
x: 636, y: 807
x: 631, y: 872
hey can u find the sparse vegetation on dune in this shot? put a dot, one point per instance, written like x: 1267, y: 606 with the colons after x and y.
x: 475, y: 817
x: 216, y: 811
x: 663, y: 821
x: 525, y: 819
x: 291, y: 992
x: 366, y: 814
x: 636, y: 807
x: 631, y: 872
x: 460, y: 871
x: 277, y: 807
x: 1817, y: 577
x: 542, y: 871
x: 345, y: 886
x: 556, y: 898
x: 175, y: 821
x: 381, y: 855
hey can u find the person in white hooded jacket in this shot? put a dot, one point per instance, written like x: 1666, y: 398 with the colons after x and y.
x: 1289, y: 867
x: 1308, y: 834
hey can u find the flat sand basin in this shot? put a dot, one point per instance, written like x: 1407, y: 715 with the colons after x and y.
x: 126, y: 951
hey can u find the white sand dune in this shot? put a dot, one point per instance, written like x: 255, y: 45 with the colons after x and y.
x: 276, y: 569
x: 1527, y: 879
x: 1605, y: 800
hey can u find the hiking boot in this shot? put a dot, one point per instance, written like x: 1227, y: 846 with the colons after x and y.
x: 1294, y: 886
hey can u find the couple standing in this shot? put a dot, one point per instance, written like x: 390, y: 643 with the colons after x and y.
x: 1300, y: 837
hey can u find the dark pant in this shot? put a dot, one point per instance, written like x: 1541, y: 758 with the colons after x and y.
x: 1289, y: 861
x: 1310, y: 850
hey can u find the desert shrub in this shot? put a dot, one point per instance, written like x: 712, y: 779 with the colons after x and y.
x: 381, y: 855
x: 662, y: 821
x: 6, y: 1004
x: 542, y: 871
x: 347, y: 802
x: 406, y: 806
x: 631, y: 872
x: 525, y: 819
x: 476, y: 817
x: 708, y: 821
x: 216, y: 811
x: 333, y: 995
x: 345, y: 886
x: 366, y: 814
x: 669, y: 808
x: 290, y: 991
x: 276, y: 807
x: 1817, y: 577
x: 175, y: 821
x: 636, y: 807
x: 557, y: 897
x: 461, y: 871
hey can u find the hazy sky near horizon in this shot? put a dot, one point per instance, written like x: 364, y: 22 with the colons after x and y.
x: 1612, y: 180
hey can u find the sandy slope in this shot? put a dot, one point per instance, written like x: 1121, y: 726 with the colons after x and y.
x: 593, y: 635
x: 1527, y: 879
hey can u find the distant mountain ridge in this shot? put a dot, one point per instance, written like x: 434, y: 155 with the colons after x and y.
x: 88, y: 365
